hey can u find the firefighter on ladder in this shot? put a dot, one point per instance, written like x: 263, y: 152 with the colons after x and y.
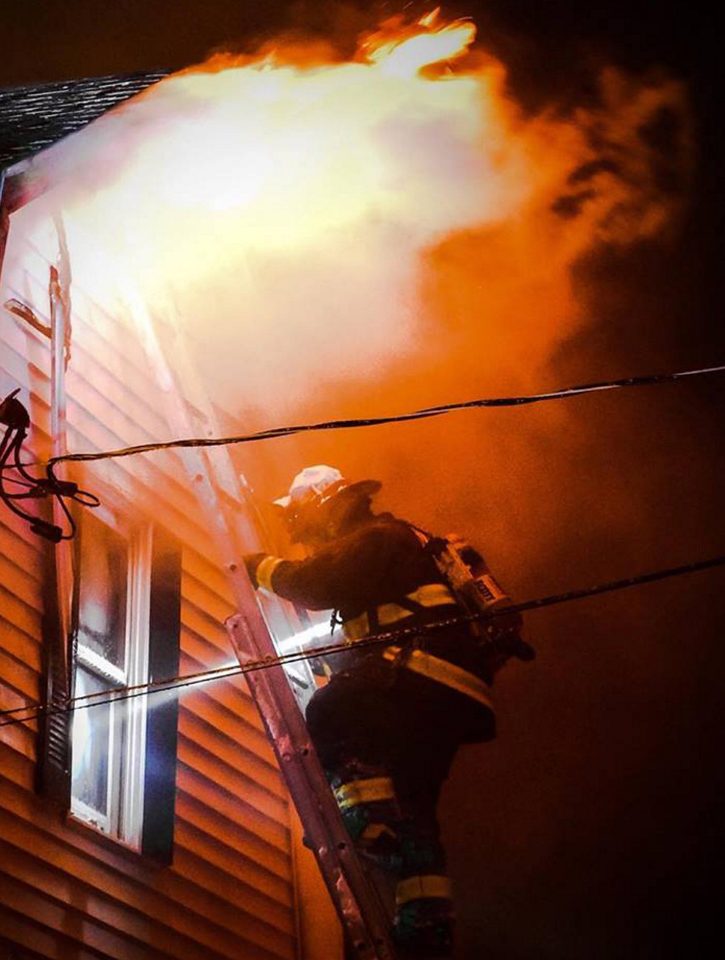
x: 387, y: 725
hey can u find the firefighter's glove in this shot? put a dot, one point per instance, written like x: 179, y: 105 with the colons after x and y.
x: 252, y: 562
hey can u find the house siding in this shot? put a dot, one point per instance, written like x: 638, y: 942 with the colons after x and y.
x: 65, y: 890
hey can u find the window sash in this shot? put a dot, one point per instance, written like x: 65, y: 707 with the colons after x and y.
x: 86, y: 725
x: 131, y: 786
x: 125, y: 738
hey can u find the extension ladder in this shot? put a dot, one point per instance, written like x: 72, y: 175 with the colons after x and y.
x: 227, y: 505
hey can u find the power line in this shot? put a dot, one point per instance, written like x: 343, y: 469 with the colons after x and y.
x: 14, y: 415
x: 424, y: 413
x: 144, y: 689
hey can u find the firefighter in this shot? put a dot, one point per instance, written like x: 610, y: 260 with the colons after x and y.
x: 389, y: 721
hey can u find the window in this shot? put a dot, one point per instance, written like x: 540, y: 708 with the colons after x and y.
x: 111, y: 651
x: 118, y: 757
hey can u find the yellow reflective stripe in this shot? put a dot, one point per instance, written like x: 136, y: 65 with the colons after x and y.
x: 356, y: 628
x: 364, y: 791
x: 265, y: 570
x: 391, y: 612
x: 443, y: 672
x: 374, y: 831
x: 432, y: 595
x: 423, y: 888
x: 428, y: 595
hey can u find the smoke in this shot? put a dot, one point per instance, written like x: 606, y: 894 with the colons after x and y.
x: 341, y: 236
x: 312, y: 223
x: 336, y: 238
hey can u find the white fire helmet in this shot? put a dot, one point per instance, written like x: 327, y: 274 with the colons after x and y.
x: 320, y: 483
x: 305, y: 506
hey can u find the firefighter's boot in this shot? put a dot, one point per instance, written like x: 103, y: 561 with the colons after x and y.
x: 423, y: 925
x: 370, y: 812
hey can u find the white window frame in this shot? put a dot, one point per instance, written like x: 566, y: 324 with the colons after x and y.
x: 126, y: 767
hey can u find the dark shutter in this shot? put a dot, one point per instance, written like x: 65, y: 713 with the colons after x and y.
x: 54, y: 764
x: 163, y: 708
x: 54, y: 761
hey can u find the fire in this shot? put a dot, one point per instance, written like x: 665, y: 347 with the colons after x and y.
x: 313, y: 224
x: 406, y: 56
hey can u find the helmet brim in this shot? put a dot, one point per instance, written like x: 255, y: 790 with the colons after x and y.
x: 361, y: 488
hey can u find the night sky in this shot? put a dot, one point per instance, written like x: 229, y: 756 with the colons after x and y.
x: 593, y: 826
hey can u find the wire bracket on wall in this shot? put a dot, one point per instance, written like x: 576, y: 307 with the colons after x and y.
x: 16, y: 420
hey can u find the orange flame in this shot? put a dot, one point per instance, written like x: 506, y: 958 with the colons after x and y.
x: 405, y: 55
x: 324, y: 219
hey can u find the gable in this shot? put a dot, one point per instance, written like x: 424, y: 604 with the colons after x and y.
x: 35, y: 117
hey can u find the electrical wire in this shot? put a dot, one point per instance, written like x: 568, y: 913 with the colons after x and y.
x: 101, y: 697
x: 424, y: 413
x: 90, y: 500
x: 16, y: 420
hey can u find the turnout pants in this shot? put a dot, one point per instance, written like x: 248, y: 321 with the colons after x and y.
x: 386, y: 738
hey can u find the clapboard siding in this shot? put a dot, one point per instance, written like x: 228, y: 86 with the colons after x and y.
x: 66, y: 891
x: 221, y: 704
x: 124, y: 370
x: 216, y: 797
x: 270, y: 891
x: 18, y: 739
x: 201, y: 596
x: 26, y: 549
x: 40, y: 941
x: 225, y: 750
x: 39, y: 944
x: 18, y: 678
x: 45, y: 869
x: 61, y: 918
x: 208, y: 576
x: 27, y: 588
x: 260, y: 806
x: 264, y: 865
x: 22, y: 646
x: 207, y: 628
x: 16, y: 768
x: 98, y: 424
x: 21, y: 615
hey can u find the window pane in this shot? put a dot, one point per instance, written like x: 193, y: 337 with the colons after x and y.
x: 91, y: 733
x: 102, y: 593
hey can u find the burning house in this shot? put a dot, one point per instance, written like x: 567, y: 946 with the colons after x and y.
x: 156, y: 826
x: 262, y: 240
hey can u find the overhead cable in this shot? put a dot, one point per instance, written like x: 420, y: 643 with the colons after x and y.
x: 144, y: 689
x: 424, y: 413
x: 14, y: 415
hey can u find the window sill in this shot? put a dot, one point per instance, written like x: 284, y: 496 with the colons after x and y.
x: 87, y: 830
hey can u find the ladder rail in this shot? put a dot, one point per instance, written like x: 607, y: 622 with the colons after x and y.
x: 355, y: 898
x: 360, y: 910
